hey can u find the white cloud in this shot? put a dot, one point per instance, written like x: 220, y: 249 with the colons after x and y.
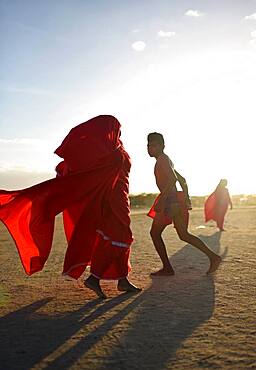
x: 139, y: 45
x: 194, y: 13
x: 27, y: 90
x: 28, y: 153
x: 35, y: 30
x: 165, y: 34
x: 22, y: 141
x: 252, y: 42
x: 250, y: 17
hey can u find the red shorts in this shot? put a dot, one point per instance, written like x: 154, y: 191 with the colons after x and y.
x: 171, y: 208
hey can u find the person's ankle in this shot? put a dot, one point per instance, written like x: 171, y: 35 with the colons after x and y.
x: 123, y: 281
x: 93, y: 278
x: 167, y: 268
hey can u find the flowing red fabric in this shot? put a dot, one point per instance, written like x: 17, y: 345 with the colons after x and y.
x: 167, y: 220
x: 216, y: 206
x: 91, y: 185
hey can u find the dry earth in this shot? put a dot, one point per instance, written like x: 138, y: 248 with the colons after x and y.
x: 189, y: 321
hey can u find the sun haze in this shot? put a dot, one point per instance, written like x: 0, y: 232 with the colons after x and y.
x: 187, y: 72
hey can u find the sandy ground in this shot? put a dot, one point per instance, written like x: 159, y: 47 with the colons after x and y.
x: 189, y: 321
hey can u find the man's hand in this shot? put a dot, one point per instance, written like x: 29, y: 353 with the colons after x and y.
x: 188, y: 204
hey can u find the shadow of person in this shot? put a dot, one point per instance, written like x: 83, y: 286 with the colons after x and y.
x: 191, y: 258
x: 13, y: 334
x: 153, y: 324
x: 28, y: 336
x: 168, y: 312
x: 161, y: 318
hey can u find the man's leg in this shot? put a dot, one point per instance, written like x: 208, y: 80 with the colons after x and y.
x: 184, y: 235
x: 156, y: 234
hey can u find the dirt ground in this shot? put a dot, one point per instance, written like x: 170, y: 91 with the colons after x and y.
x: 189, y: 321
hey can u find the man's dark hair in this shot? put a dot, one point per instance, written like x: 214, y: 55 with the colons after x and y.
x: 155, y: 136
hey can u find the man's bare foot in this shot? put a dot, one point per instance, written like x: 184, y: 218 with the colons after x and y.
x: 163, y: 272
x: 125, y: 286
x: 214, y: 264
x: 93, y: 284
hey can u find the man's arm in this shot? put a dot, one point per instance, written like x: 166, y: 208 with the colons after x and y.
x: 183, y: 183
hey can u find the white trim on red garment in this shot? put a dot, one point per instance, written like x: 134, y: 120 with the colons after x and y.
x: 113, y: 242
x: 72, y: 268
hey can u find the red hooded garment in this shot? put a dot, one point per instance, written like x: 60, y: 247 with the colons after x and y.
x: 91, y: 189
x: 216, y: 206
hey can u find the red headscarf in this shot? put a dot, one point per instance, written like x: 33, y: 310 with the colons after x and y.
x: 87, y: 144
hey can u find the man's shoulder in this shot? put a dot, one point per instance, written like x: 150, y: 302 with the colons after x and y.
x: 165, y: 159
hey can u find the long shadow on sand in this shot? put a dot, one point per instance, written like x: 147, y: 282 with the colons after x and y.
x: 169, y: 311
x: 28, y: 337
x: 164, y: 315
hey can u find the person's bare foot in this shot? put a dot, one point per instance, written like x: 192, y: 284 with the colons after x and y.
x: 93, y: 284
x: 125, y: 286
x: 163, y: 272
x: 214, y: 264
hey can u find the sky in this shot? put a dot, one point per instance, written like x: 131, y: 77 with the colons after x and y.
x: 182, y: 68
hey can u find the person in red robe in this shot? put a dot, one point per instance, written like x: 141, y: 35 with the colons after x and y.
x: 91, y: 189
x: 216, y: 205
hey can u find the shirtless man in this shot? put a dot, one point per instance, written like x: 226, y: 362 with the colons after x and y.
x: 169, y: 205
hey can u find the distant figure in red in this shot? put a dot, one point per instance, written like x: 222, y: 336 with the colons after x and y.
x: 216, y: 205
x: 91, y: 189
